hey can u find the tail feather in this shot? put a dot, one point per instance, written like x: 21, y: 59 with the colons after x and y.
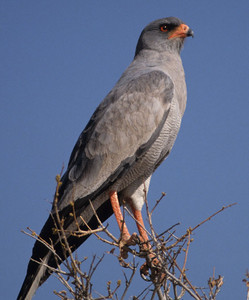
x: 32, y: 280
x: 38, y: 273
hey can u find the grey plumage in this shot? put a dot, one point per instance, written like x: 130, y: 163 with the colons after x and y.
x: 128, y: 136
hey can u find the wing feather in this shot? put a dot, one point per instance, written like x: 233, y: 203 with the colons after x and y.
x: 122, y: 128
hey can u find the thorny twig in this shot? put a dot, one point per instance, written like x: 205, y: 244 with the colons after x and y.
x: 128, y: 282
x: 166, y: 276
x: 201, y: 223
x: 214, y: 286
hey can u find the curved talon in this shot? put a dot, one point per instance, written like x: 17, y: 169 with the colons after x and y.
x: 126, y: 240
x: 123, y: 253
x: 154, y: 267
x: 144, y: 272
x: 132, y: 240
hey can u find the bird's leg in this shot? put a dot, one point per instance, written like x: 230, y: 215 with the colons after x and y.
x: 144, y: 270
x: 126, y: 238
x: 140, y: 226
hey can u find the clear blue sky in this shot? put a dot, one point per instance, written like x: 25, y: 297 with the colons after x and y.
x: 58, y: 61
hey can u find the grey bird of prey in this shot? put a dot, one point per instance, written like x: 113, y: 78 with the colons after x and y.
x: 129, y: 135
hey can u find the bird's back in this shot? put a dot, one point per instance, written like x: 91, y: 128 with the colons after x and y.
x: 128, y: 136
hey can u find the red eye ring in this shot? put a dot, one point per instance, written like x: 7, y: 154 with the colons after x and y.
x: 164, y: 28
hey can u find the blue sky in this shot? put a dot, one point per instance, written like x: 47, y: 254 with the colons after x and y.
x: 58, y: 61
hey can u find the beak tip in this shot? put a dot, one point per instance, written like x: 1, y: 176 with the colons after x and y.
x: 190, y: 33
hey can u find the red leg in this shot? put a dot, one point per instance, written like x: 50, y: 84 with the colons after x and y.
x: 140, y: 224
x: 144, y: 270
x: 126, y: 237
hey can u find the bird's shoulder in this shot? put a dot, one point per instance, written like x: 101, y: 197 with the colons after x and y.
x: 134, y: 107
x: 127, y: 120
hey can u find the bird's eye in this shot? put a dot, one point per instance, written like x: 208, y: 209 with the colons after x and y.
x: 164, y: 28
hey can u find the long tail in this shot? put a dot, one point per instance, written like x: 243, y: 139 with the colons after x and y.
x: 34, y: 278
x: 38, y: 273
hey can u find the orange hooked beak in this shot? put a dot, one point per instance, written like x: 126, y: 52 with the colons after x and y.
x: 181, y: 31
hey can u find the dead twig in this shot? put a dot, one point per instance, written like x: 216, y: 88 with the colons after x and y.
x: 168, y: 278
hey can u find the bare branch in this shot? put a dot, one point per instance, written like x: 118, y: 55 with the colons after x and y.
x: 167, y: 278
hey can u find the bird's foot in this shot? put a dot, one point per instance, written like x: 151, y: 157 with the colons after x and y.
x: 127, y: 240
x: 151, y: 270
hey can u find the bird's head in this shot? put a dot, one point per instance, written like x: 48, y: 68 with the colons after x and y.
x: 164, y: 34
